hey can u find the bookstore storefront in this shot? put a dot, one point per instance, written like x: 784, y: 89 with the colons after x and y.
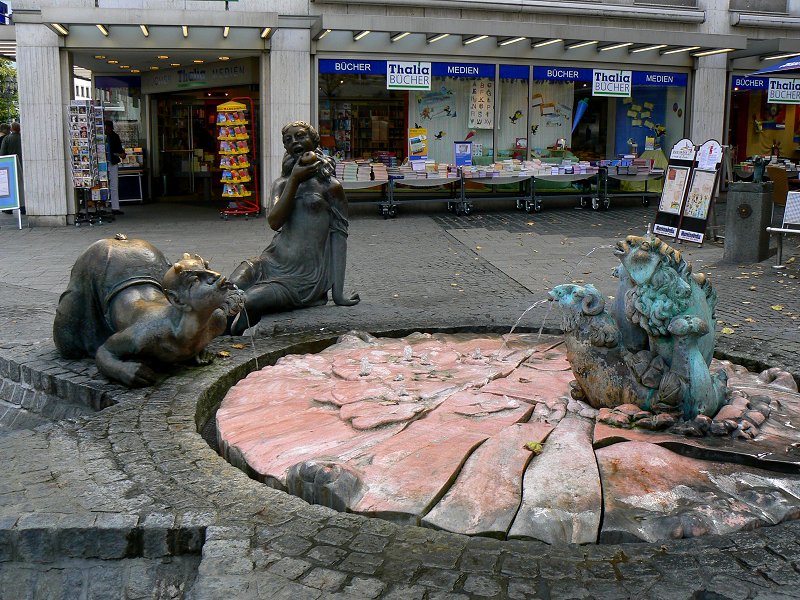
x: 763, y: 118
x: 366, y: 111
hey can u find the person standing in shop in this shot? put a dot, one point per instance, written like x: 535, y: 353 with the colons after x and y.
x: 4, y: 130
x: 114, y: 154
x: 12, y: 144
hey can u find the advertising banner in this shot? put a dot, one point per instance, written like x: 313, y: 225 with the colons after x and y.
x: 418, y: 143
x: 402, y: 75
x: 463, y: 153
x: 783, y: 91
x: 614, y: 84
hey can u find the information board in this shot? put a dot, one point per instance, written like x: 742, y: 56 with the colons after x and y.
x: 676, y: 182
x: 700, y: 195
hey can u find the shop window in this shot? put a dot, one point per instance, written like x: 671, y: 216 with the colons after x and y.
x: 653, y: 117
x: 758, y: 127
x: 359, y: 117
x: 512, y: 118
x: 554, y: 134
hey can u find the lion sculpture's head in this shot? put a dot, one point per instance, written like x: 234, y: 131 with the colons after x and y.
x: 662, y: 282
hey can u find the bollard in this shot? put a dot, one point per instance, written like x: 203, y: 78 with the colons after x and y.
x: 749, y: 210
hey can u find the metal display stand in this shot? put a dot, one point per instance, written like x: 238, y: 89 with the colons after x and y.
x: 427, y: 183
x: 645, y: 195
x: 385, y: 207
x: 535, y: 203
x: 523, y: 197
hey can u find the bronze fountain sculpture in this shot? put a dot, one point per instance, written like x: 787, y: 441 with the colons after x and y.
x: 126, y: 306
x: 308, y: 255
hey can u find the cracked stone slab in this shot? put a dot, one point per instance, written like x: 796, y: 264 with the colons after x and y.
x: 487, y: 493
x: 651, y: 493
x: 561, y: 498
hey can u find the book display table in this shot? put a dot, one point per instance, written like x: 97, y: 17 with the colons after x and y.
x: 523, y: 195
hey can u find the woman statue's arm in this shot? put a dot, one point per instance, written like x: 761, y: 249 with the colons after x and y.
x: 284, y: 192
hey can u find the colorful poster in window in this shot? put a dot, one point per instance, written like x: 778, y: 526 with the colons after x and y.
x: 463, y: 153
x: 674, y: 190
x: 698, y: 200
x: 417, y: 143
x: 481, y: 104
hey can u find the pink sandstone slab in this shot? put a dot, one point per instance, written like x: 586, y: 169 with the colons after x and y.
x: 406, y: 474
x: 561, y: 495
x: 531, y: 385
x: 651, y: 493
x: 487, y: 493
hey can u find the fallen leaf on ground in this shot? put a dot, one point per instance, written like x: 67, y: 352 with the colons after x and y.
x: 237, y: 346
x: 728, y: 330
x: 777, y: 307
x: 223, y: 354
x: 534, y: 447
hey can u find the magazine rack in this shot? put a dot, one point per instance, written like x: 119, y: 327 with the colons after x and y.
x: 237, y: 158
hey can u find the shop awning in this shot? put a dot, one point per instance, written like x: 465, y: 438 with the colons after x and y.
x: 789, y: 66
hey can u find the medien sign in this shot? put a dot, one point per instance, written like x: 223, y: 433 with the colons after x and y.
x: 221, y: 74
x: 783, y: 91
x: 615, y: 84
x: 408, y: 75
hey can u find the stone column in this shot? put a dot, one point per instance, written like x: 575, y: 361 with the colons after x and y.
x: 40, y: 66
x: 288, y: 93
x: 708, y: 100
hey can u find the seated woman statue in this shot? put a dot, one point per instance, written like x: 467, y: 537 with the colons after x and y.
x: 308, y: 254
x: 127, y: 306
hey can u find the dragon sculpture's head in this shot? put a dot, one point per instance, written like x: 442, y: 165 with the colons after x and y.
x: 579, y: 300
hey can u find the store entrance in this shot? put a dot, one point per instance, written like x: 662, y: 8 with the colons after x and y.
x: 185, y: 137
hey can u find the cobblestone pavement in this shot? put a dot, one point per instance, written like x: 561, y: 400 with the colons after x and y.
x: 112, y: 493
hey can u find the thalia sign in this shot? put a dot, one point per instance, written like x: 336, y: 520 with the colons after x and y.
x: 408, y: 75
x: 783, y: 91
x: 611, y: 83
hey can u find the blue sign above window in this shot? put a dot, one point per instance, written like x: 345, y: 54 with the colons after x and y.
x: 561, y: 74
x: 462, y: 70
x: 743, y: 82
x: 660, y: 79
x: 514, y: 72
x: 354, y: 67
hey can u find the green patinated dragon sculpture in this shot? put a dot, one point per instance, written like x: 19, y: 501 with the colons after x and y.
x: 654, y: 348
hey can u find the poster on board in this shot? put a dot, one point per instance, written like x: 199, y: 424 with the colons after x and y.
x: 463, y: 153
x: 675, y: 182
x: 701, y: 191
x: 417, y: 143
x: 9, y: 186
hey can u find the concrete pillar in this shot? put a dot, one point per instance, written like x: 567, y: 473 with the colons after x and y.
x: 40, y: 66
x: 708, y: 99
x: 288, y: 91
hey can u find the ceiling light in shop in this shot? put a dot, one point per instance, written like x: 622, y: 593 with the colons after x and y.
x: 124, y: 66
x: 579, y: 45
x: 185, y: 30
x: 154, y: 68
x: 265, y: 32
x: 103, y: 29
x: 226, y: 31
x: 163, y: 57
x: 99, y: 56
x: 361, y: 35
x: 174, y: 64
x: 546, y: 42
x: 399, y: 36
x: 60, y: 28
x: 436, y: 38
x: 780, y: 56
x: 648, y: 48
x: 510, y: 41
x: 615, y: 46
x: 198, y: 61
x: 145, y: 30
x: 711, y: 52
x: 476, y: 38
x: 224, y: 58
x: 677, y: 50
x: 135, y: 71
x: 113, y: 62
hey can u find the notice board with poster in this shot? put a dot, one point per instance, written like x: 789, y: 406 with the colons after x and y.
x: 700, y: 194
x: 677, y: 176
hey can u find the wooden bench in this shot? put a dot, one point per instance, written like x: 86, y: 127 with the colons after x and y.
x: 790, y: 225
